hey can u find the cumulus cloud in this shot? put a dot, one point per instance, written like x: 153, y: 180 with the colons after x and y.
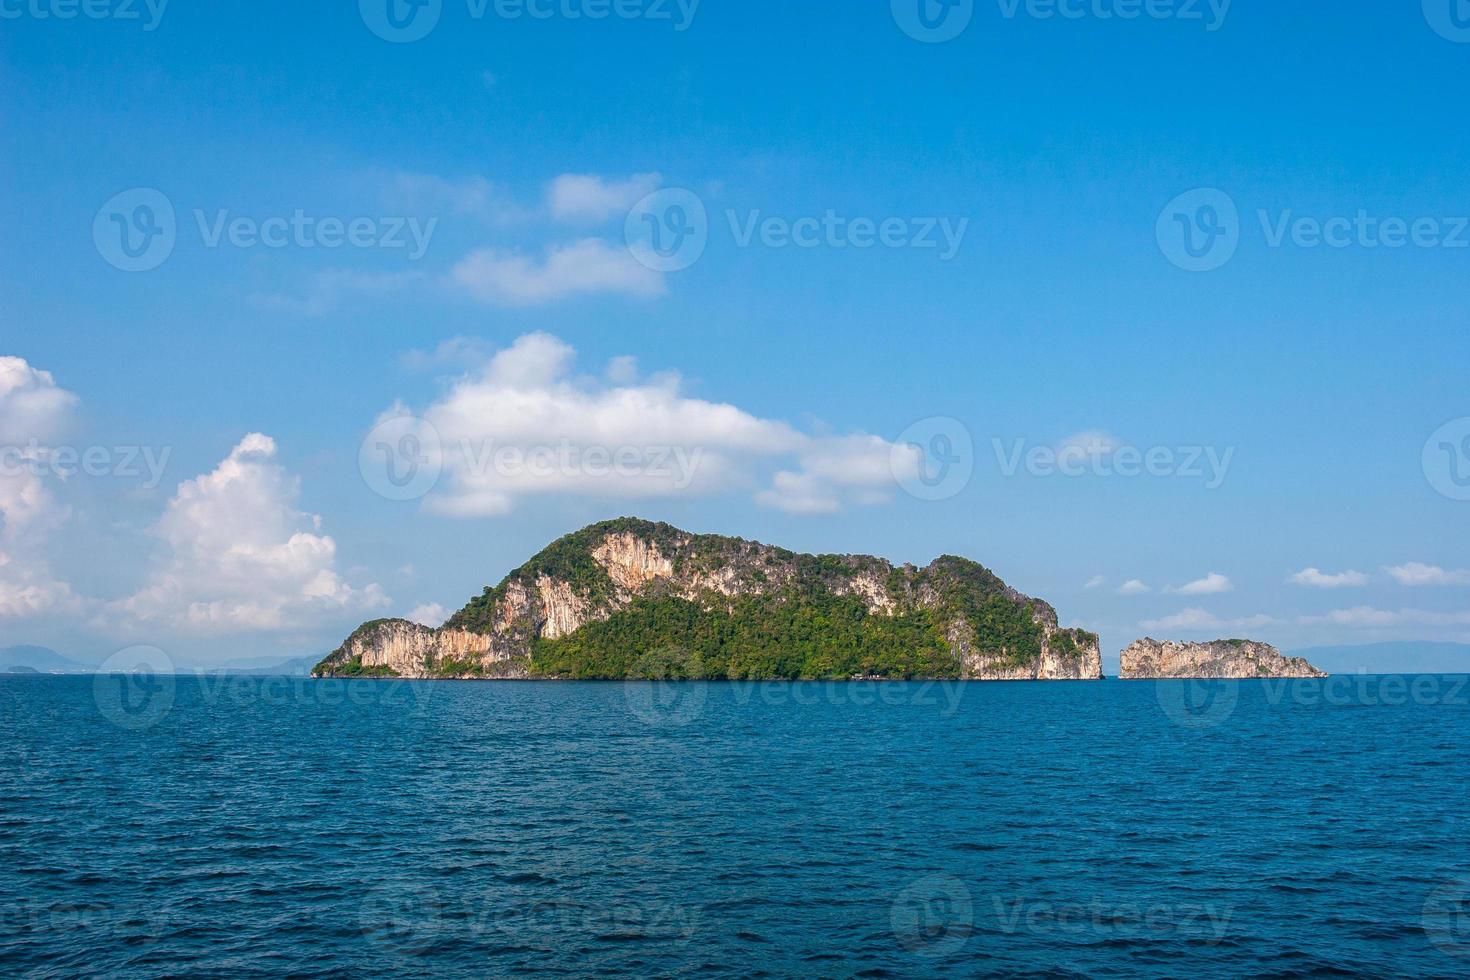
x: 1202, y: 620
x: 1212, y: 584
x: 430, y: 614
x: 33, y: 408
x: 240, y: 557
x: 506, y: 278
x: 1097, y: 581
x: 590, y: 197
x: 1318, y: 579
x: 1133, y: 587
x: 34, y: 411
x: 1415, y: 574
x: 525, y: 425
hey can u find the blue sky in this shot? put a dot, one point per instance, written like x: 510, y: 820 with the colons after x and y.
x: 1051, y: 148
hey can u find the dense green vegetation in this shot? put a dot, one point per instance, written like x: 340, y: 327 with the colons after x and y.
x: 354, y: 668
x: 789, y: 636
x: 788, y: 619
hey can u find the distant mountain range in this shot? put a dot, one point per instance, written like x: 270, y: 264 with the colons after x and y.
x: 43, y: 660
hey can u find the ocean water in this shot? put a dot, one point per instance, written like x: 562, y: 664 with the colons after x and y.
x: 186, y: 826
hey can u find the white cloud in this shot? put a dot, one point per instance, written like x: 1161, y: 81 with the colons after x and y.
x: 32, y: 406
x: 503, y: 278
x: 1318, y: 579
x: 1086, y: 447
x: 34, y: 411
x: 589, y: 197
x: 1212, y: 584
x: 525, y: 425
x: 240, y: 557
x: 430, y: 614
x: 1368, y: 617
x: 1133, y: 587
x: 1097, y: 581
x: 1415, y: 574
x: 456, y: 352
x: 1200, y: 620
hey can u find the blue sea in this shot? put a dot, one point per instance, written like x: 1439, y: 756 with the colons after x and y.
x: 266, y: 827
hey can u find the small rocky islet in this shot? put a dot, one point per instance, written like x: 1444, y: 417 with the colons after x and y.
x: 629, y: 599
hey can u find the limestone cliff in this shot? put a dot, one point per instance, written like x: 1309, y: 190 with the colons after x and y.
x: 604, y: 600
x: 1151, y: 659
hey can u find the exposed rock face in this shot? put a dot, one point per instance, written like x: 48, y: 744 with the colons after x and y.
x: 398, y: 648
x: 983, y: 629
x: 1152, y: 659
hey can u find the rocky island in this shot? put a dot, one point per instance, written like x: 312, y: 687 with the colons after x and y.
x: 1150, y: 659
x: 630, y: 598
